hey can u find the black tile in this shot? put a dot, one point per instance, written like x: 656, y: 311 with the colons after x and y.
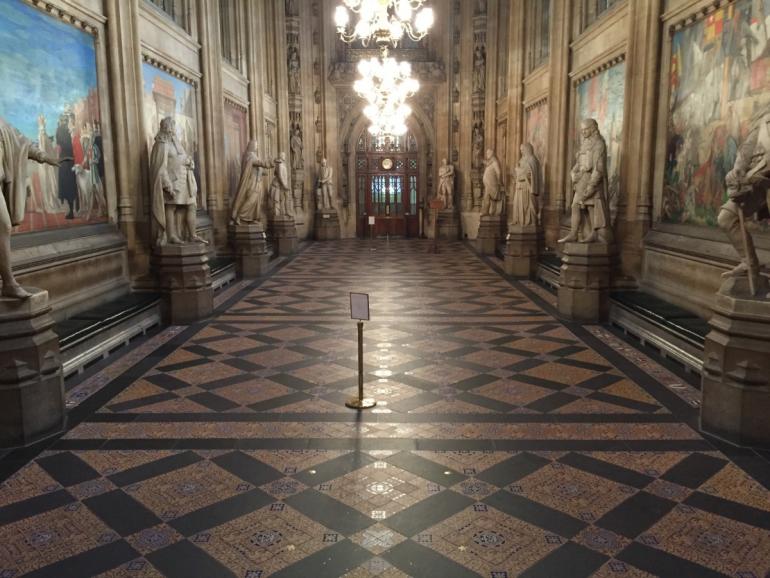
x: 329, y: 512
x: 474, y: 382
x: 660, y: 563
x: 416, y: 560
x: 330, y: 562
x: 225, y: 381
x: 428, y: 512
x: 142, y: 401
x: 485, y: 402
x: 184, y: 560
x: 247, y: 468
x: 121, y: 512
x: 201, y: 350
x: 280, y: 401
x: 414, y: 402
x: 67, y: 469
x: 534, y: 513
x: 425, y: 468
x: 183, y: 365
x: 539, y: 381
x: 34, y: 506
x: 606, y: 470
x: 156, y: 468
x: 624, y: 402
x: 570, y: 561
x: 212, y: 401
x: 636, y: 514
x: 90, y: 562
x: 243, y: 365
x: 527, y: 364
x: 552, y: 402
x: 598, y: 382
x: 694, y: 470
x: 729, y: 509
x: 512, y: 469
x: 292, y: 381
x: 334, y: 468
x: 221, y: 512
x: 168, y: 382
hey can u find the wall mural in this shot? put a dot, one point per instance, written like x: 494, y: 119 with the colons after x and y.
x: 166, y: 95
x: 536, y: 133
x: 602, y: 97
x: 719, y: 79
x: 236, y: 140
x: 49, y: 94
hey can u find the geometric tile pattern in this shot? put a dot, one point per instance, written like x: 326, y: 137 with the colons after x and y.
x: 504, y: 443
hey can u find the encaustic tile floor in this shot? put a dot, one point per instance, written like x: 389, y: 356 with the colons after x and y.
x: 504, y: 442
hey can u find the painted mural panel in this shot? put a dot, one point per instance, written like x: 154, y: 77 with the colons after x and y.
x: 165, y: 95
x: 50, y: 95
x: 236, y: 140
x: 602, y: 97
x: 536, y: 133
x: 719, y: 80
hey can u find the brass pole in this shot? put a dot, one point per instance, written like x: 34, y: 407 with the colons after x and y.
x: 360, y: 402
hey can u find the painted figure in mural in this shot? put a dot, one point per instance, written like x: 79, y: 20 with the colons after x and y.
x: 590, y: 221
x: 247, y: 206
x: 49, y: 183
x: 280, y: 191
x: 15, y: 152
x: 325, y: 188
x: 293, y: 70
x: 446, y: 184
x: 526, y: 196
x: 174, y: 189
x: 68, y: 188
x: 479, y: 69
x: 295, y: 143
x: 748, y: 189
x: 494, y: 191
x: 478, y: 146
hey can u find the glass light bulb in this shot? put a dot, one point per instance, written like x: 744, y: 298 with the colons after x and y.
x: 341, y: 17
x: 424, y: 20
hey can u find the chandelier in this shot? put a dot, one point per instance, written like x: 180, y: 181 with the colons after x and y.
x: 385, y: 21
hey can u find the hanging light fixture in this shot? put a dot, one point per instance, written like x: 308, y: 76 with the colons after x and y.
x: 385, y: 21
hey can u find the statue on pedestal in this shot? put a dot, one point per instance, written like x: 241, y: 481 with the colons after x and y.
x: 295, y: 143
x: 526, y: 196
x: 446, y: 184
x: 492, y: 203
x: 325, y: 187
x: 174, y: 190
x: 748, y: 189
x: 590, y: 221
x: 280, y: 190
x: 248, y: 199
x: 15, y: 151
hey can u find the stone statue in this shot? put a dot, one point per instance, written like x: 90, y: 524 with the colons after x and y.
x: 325, y: 187
x: 590, y: 221
x: 174, y: 188
x: 15, y: 150
x: 478, y: 146
x: 294, y: 82
x: 248, y: 199
x: 492, y: 204
x: 479, y: 69
x: 446, y: 184
x: 748, y: 189
x: 297, y: 162
x: 526, y: 196
x: 280, y: 191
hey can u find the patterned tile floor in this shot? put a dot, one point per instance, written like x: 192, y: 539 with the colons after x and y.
x: 505, y: 443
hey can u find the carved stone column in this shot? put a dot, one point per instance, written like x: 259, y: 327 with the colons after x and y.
x: 250, y: 244
x: 521, y: 250
x: 185, y: 282
x: 585, y: 282
x: 490, y: 233
x: 736, y: 368
x: 284, y: 232
x: 31, y: 383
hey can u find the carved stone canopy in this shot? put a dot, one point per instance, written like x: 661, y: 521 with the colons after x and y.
x: 430, y: 72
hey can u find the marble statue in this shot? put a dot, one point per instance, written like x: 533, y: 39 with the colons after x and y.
x: 248, y: 198
x: 174, y: 190
x: 15, y: 152
x: 478, y: 147
x: 295, y: 143
x: 590, y: 220
x: 446, y: 184
x: 479, y: 69
x: 492, y: 203
x: 294, y: 82
x: 526, y: 195
x: 280, y: 191
x: 325, y: 187
x: 748, y: 189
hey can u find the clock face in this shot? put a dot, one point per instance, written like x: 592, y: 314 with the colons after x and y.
x: 387, y: 164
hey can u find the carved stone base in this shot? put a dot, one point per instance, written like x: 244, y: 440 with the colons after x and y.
x: 736, y: 367
x: 585, y: 282
x: 185, y: 282
x: 448, y: 225
x: 250, y: 245
x: 489, y: 234
x: 284, y: 231
x: 521, y: 250
x: 31, y: 383
x: 327, y: 225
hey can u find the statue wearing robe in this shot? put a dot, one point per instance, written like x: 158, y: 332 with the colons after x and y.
x: 526, y: 195
x: 492, y: 204
x: 280, y: 200
x: 248, y: 198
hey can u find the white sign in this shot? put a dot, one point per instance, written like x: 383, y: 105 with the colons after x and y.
x: 359, y: 306
x: 371, y: 220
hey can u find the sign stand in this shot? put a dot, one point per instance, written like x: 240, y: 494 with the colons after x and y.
x: 359, y: 309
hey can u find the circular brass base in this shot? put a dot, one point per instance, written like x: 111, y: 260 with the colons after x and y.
x: 356, y: 403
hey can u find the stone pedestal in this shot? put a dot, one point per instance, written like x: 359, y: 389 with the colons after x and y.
x: 185, y: 282
x: 327, y: 225
x: 250, y: 245
x: 585, y: 282
x: 736, y: 367
x: 31, y: 383
x: 489, y: 234
x: 448, y: 228
x: 284, y: 231
x: 521, y: 250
